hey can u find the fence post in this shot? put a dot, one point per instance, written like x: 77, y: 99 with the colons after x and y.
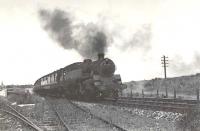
x: 142, y: 93
x: 197, y: 94
x: 166, y: 92
x: 157, y: 93
x: 174, y: 93
x: 131, y: 93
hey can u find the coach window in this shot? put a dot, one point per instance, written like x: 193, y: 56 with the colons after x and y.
x: 64, y: 75
x: 52, y: 77
x: 49, y: 78
x: 55, y: 77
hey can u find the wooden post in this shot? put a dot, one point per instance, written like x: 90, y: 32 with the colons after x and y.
x: 157, y: 93
x: 166, y: 92
x: 131, y: 93
x: 142, y: 93
x: 164, y: 63
x: 174, y: 93
x: 197, y: 94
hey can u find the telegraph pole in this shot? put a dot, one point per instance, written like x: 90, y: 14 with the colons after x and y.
x: 165, y: 64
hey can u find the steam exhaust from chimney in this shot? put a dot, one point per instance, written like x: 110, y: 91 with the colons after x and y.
x: 86, y: 39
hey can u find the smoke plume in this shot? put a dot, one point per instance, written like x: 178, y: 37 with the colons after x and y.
x: 58, y: 24
x: 88, y: 40
x: 181, y: 67
x: 140, y: 39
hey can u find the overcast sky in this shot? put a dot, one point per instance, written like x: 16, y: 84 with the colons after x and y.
x: 139, y: 33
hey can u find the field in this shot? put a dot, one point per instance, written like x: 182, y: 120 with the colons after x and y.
x: 185, y: 87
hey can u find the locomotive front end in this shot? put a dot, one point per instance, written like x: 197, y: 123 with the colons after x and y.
x: 106, y: 67
x: 108, y: 84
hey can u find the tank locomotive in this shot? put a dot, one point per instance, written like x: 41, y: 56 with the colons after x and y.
x: 82, y: 80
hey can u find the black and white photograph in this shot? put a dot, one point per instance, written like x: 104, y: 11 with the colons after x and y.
x: 99, y: 65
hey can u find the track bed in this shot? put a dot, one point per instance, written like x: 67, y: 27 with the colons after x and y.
x: 79, y: 120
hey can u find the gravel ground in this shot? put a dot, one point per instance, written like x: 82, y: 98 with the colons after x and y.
x: 127, y: 118
x: 9, y: 122
x: 79, y: 120
x: 135, y: 119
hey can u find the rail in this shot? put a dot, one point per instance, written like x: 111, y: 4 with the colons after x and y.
x: 97, y: 117
x: 153, y: 103
x: 162, y: 99
x: 58, y: 115
x: 21, y: 117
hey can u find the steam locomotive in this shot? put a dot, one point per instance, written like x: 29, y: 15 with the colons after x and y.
x: 82, y: 80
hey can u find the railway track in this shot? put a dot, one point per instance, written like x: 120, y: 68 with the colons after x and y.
x: 52, y: 120
x: 11, y: 111
x: 99, y: 118
x: 173, y: 105
x: 161, y: 99
x: 76, y: 118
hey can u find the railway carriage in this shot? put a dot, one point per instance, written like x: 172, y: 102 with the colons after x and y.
x: 82, y: 80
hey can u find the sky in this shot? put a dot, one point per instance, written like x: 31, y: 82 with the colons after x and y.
x: 138, y: 32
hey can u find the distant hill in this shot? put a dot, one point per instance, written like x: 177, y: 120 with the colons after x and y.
x: 184, y: 85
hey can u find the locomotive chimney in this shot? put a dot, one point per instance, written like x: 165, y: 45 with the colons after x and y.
x: 100, y: 56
